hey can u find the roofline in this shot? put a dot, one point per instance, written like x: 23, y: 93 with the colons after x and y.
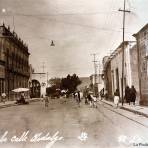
x: 135, y: 34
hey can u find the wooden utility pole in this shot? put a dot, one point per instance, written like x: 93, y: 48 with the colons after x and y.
x: 43, y: 66
x: 47, y: 79
x: 95, y: 72
x: 124, y: 11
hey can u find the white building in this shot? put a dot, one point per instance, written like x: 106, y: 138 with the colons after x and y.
x: 130, y: 67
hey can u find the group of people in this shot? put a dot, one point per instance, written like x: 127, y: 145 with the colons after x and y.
x: 21, y: 99
x: 130, y: 95
x: 89, y: 98
x: 92, y: 100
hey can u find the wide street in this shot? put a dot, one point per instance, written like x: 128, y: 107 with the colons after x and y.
x: 79, y: 126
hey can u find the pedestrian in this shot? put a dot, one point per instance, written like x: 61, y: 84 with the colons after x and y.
x: 90, y: 98
x: 94, y: 101
x: 74, y: 94
x: 116, y: 98
x: 85, y: 96
x: 102, y: 93
x: 133, y: 94
x: 46, y: 100
x: 3, y: 97
x: 127, y: 94
x: 22, y: 98
x: 79, y: 98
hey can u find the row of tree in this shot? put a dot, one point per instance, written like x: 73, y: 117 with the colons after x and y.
x: 68, y: 83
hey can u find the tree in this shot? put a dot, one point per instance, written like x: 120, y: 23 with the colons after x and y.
x: 55, y: 84
x: 70, y: 83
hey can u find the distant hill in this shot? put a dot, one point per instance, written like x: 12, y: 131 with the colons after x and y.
x: 85, y: 82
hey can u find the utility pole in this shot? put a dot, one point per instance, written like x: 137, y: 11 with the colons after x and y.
x: 43, y: 66
x: 124, y: 11
x: 47, y: 79
x: 99, y: 80
x: 95, y: 72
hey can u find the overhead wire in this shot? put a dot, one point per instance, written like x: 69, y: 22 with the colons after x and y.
x: 46, y: 17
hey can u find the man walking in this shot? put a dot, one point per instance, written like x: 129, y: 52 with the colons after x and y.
x: 133, y: 94
x: 79, y: 98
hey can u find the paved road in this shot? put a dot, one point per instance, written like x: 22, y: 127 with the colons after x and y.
x: 104, y: 128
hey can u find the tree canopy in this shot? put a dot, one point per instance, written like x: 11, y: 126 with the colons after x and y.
x: 68, y: 83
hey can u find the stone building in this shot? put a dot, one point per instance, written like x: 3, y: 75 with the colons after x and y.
x: 113, y: 69
x: 2, y: 66
x: 142, y: 49
x: 14, y: 65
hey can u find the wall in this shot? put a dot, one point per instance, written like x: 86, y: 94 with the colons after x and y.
x: 142, y: 45
x: 42, y: 78
x: 134, y: 70
x: 130, y: 68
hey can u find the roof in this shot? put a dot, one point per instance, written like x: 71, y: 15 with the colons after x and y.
x: 7, y: 33
x: 142, y: 29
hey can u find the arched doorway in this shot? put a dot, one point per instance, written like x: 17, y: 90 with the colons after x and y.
x: 35, y: 89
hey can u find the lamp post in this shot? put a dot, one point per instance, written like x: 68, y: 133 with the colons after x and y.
x: 4, y: 11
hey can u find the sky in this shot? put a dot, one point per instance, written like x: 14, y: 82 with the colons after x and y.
x: 78, y: 28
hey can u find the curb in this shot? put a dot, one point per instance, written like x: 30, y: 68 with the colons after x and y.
x: 7, y: 105
x: 13, y: 104
x: 134, y: 111
x: 128, y: 109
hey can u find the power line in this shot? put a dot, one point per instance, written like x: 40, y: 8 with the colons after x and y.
x: 63, y: 14
x: 69, y: 23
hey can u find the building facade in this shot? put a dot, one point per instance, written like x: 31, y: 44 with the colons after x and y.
x: 14, y: 61
x: 142, y: 49
x: 2, y: 66
x: 113, y: 69
x: 107, y: 77
x: 38, y: 84
x: 96, y: 83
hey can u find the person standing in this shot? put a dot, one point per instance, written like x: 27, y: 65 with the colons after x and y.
x: 79, y: 98
x: 95, y: 102
x: 127, y: 94
x: 3, y: 97
x: 85, y: 96
x: 90, y: 99
x: 116, y: 98
x: 133, y: 94
x: 46, y: 101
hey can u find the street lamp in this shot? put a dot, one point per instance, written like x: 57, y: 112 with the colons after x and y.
x: 4, y: 11
x: 52, y: 43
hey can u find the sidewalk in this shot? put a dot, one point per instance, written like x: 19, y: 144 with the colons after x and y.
x: 12, y: 103
x: 140, y: 110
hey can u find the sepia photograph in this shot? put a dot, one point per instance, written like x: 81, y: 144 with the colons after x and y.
x: 73, y: 73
